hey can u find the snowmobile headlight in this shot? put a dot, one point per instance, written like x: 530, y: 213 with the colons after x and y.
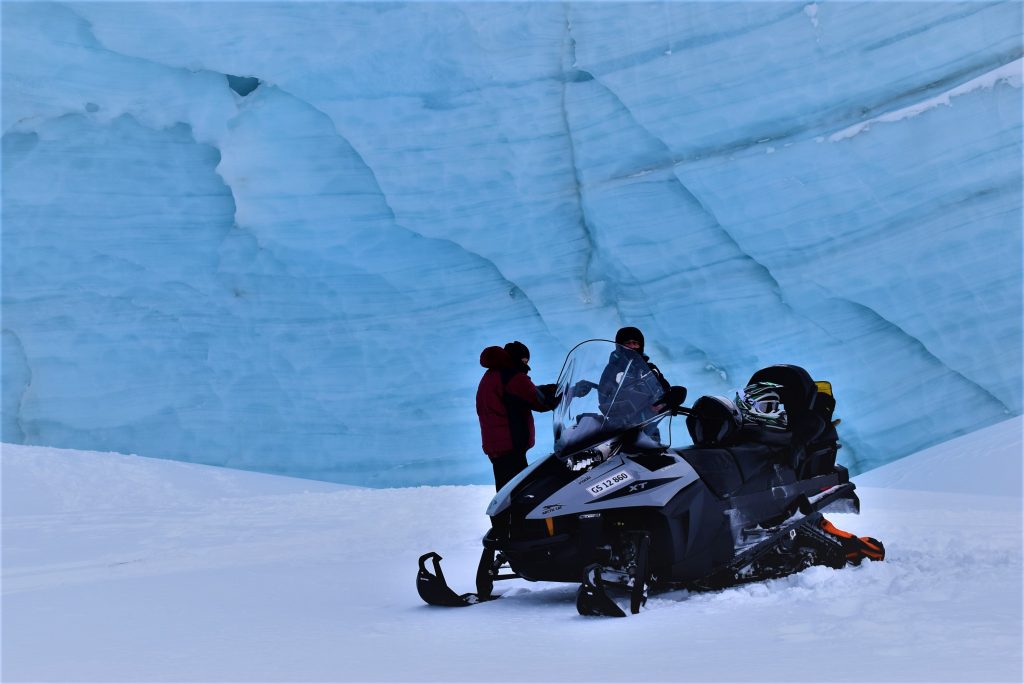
x: 599, y: 453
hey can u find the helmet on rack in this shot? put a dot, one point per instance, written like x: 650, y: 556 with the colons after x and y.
x: 761, y: 403
x: 713, y: 421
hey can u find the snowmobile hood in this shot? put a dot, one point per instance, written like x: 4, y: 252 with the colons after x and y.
x: 495, y: 358
x: 620, y: 482
x: 623, y: 481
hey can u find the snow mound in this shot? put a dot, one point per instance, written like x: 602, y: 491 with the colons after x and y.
x: 49, y: 480
x: 121, y: 568
x: 986, y: 462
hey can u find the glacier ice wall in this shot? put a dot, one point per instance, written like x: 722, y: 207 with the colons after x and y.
x: 277, y: 236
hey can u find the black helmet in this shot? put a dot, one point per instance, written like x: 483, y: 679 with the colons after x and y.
x: 713, y: 421
x: 630, y: 333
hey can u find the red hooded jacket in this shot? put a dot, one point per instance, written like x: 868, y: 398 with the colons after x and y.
x: 505, y: 400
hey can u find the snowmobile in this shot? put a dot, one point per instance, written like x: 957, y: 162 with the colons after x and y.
x: 613, y: 508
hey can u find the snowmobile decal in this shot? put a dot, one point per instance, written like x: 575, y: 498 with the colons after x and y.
x: 635, y: 488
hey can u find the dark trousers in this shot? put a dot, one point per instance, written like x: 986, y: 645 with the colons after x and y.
x: 506, y: 467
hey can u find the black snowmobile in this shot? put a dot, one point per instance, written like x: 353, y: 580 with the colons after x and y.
x: 613, y: 506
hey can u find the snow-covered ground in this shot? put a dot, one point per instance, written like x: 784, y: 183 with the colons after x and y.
x: 121, y: 568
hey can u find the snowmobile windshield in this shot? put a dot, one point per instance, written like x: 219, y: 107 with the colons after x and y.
x: 606, y: 388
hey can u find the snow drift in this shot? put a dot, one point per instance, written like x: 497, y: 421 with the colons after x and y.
x: 119, y: 568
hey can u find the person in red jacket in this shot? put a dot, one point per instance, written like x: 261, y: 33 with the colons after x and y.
x: 505, y: 401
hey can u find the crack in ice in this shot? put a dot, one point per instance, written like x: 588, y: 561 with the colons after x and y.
x: 393, y: 217
x: 1007, y: 73
x: 917, y: 342
x: 569, y: 55
x: 20, y: 411
x: 513, y: 287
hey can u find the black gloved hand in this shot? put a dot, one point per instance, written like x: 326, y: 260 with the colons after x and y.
x: 582, y: 388
x: 549, y: 394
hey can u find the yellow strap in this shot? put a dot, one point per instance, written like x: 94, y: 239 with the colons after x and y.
x: 824, y: 386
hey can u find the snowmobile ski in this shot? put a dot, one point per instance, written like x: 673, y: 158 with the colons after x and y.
x: 591, y: 597
x: 434, y: 589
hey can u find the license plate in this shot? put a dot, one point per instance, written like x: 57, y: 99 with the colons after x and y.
x: 606, y: 484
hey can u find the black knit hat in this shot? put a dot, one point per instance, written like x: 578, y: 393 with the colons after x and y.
x: 518, y: 351
x: 630, y: 333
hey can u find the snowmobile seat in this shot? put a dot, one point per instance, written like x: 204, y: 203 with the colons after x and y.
x: 726, y: 470
x: 754, y: 459
x: 716, y: 468
x: 752, y: 433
